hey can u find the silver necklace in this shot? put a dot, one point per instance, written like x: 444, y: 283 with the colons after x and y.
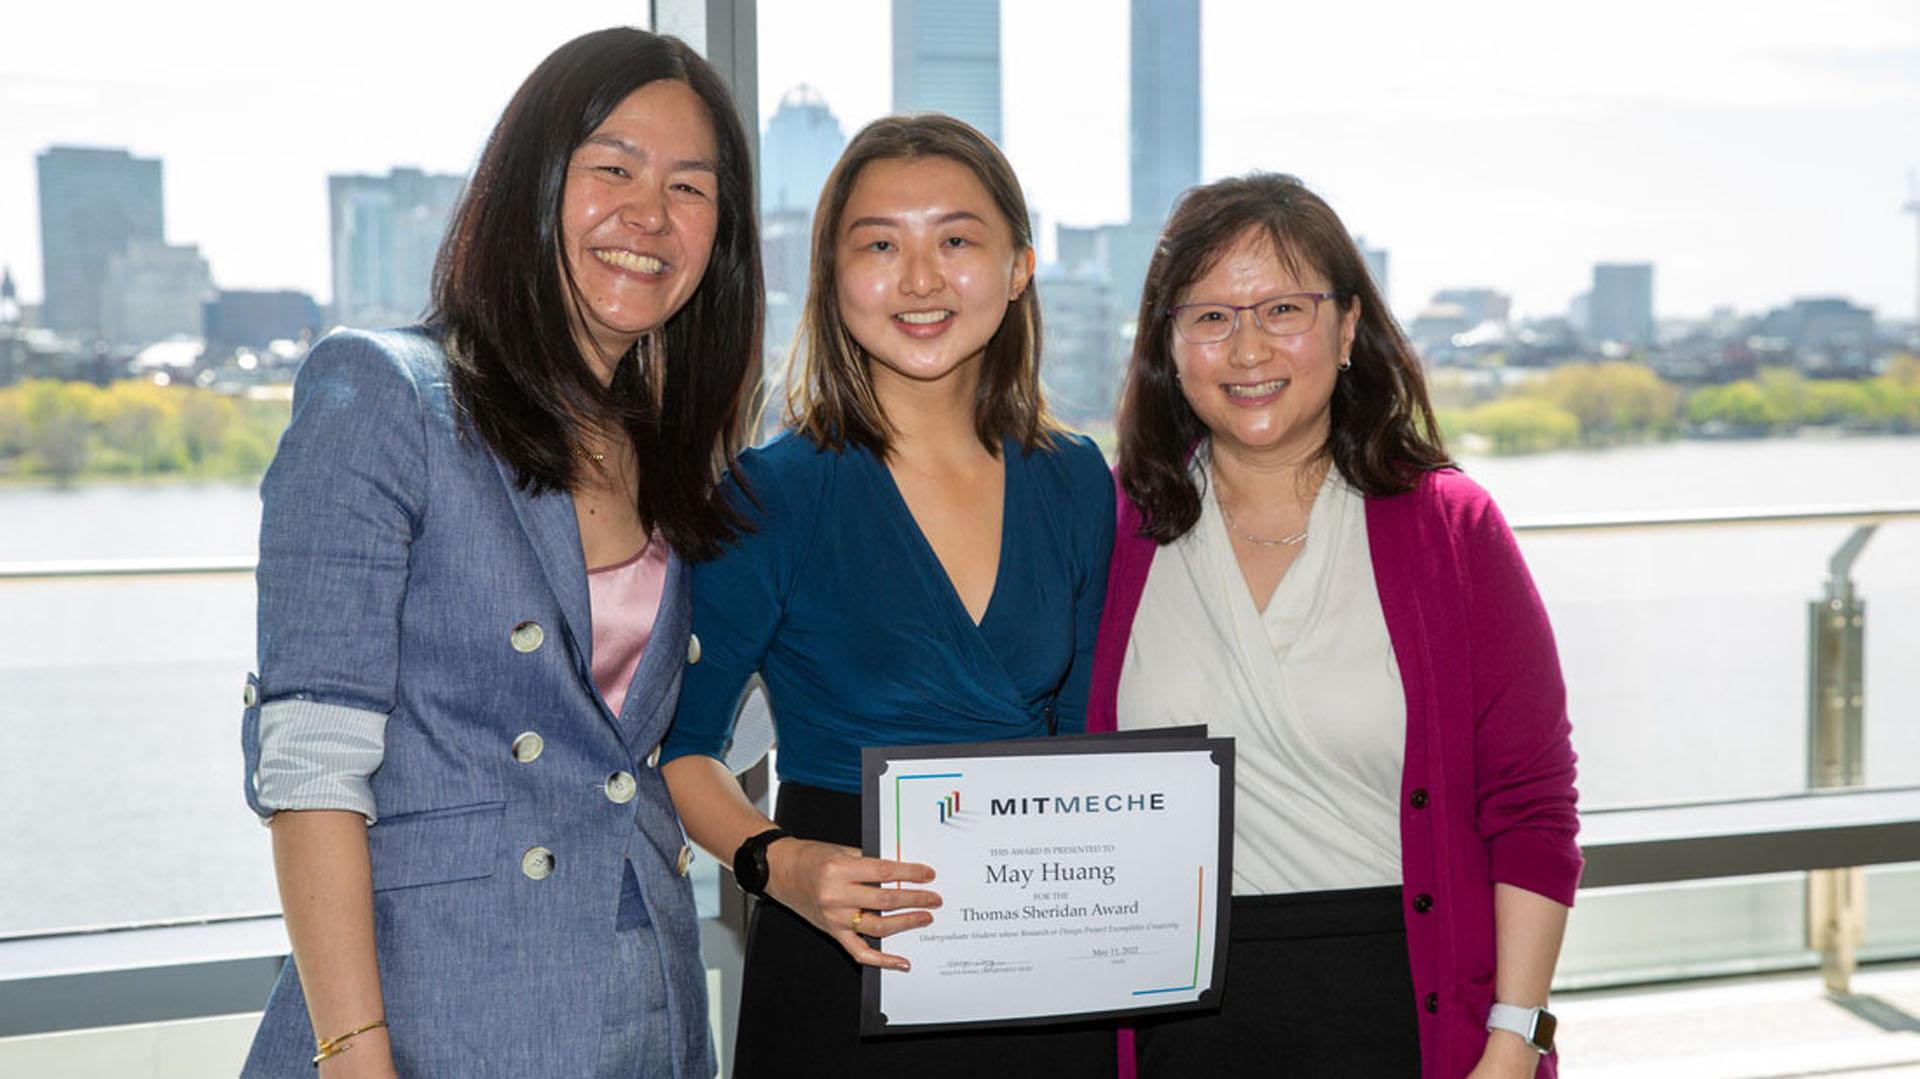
x: 1283, y: 541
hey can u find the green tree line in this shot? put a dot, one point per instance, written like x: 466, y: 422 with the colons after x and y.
x: 1600, y: 404
x: 66, y: 430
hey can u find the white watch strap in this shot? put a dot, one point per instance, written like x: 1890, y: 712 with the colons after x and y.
x: 1521, y: 1021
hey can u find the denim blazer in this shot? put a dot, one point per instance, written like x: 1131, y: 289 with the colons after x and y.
x: 410, y: 591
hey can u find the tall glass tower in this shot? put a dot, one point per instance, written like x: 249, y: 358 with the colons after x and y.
x: 946, y: 58
x: 1621, y: 307
x: 386, y: 231
x: 1165, y: 106
x: 802, y: 142
x: 94, y: 203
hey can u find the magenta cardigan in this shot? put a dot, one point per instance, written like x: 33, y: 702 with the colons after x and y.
x: 1487, y: 788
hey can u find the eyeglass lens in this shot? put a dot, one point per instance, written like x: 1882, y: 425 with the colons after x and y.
x: 1209, y: 323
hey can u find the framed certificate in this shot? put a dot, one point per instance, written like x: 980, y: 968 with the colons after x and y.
x: 1081, y: 877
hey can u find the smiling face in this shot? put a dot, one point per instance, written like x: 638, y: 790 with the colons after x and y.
x: 1259, y: 395
x: 925, y: 267
x: 638, y: 216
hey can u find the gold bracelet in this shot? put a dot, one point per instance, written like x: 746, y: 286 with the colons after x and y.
x: 333, y: 1047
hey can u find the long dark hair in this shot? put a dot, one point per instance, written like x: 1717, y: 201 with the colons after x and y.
x: 504, y: 299
x: 1382, y: 432
x: 830, y: 394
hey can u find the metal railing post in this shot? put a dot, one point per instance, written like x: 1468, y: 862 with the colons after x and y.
x: 1836, y: 699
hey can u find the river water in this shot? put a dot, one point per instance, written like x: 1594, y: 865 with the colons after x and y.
x: 1685, y: 655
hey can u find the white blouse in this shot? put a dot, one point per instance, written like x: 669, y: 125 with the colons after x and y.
x: 1308, y: 689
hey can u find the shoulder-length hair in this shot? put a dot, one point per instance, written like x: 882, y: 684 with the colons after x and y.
x: 829, y: 396
x: 1382, y: 432
x: 506, y: 302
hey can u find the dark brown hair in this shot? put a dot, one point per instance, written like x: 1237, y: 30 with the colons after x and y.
x: 1382, y: 432
x: 505, y: 300
x: 830, y: 396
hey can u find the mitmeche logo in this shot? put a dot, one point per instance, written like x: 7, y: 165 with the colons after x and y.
x: 1091, y: 802
x: 949, y: 806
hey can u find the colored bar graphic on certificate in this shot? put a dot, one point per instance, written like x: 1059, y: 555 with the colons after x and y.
x: 1199, y: 921
x: 899, y: 802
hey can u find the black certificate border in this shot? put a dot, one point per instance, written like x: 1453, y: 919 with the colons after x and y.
x: 875, y: 759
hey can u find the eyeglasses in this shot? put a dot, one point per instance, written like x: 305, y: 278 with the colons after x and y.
x: 1281, y: 316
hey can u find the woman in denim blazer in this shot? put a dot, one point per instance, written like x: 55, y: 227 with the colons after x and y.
x: 472, y: 841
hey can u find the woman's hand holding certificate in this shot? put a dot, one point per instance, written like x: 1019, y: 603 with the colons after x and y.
x: 840, y: 892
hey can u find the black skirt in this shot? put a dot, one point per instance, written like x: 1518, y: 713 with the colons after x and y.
x: 800, y: 996
x: 1318, y: 985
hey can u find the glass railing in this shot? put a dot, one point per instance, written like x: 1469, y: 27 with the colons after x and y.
x: 1690, y: 646
x: 1686, y: 639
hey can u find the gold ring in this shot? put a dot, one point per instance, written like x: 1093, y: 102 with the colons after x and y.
x: 857, y: 915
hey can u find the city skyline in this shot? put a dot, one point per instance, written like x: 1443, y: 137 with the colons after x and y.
x: 1747, y: 173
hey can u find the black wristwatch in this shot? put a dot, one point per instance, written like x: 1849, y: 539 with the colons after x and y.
x: 750, y: 862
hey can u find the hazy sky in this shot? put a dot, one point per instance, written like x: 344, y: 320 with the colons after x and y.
x: 1752, y: 151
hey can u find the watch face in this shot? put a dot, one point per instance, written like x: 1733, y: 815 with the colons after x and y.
x: 1544, y: 1025
x: 749, y: 868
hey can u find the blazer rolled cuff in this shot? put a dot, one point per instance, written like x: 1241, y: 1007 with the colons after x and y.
x: 318, y: 756
x: 1545, y: 863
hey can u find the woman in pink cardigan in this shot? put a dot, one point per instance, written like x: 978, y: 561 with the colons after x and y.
x: 1298, y: 565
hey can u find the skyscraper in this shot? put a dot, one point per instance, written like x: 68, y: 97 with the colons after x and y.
x: 154, y: 291
x: 802, y: 142
x: 93, y: 203
x: 946, y: 58
x: 1164, y: 109
x: 1620, y: 308
x: 1084, y: 350
x: 386, y: 232
x: 1163, y: 131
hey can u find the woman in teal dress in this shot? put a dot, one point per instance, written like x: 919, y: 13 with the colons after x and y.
x: 926, y: 564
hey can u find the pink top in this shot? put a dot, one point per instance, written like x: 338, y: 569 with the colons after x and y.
x: 1487, y: 786
x: 625, y: 598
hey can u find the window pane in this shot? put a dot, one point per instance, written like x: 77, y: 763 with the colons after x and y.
x: 1681, y: 289
x: 205, y: 207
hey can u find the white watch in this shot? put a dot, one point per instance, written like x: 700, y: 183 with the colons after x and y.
x: 1534, y: 1025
